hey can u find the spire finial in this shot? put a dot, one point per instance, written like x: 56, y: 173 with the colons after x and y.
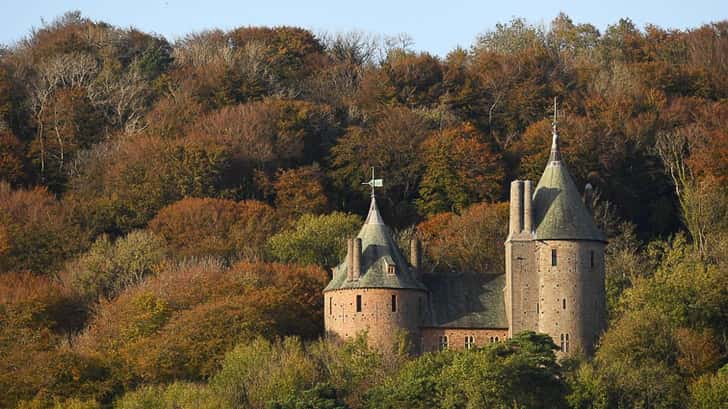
x: 374, y: 182
x: 553, y: 124
x: 555, y: 153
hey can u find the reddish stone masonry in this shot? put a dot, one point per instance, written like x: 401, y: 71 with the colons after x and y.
x: 458, y: 338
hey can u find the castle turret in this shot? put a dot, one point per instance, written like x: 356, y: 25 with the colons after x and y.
x: 555, y: 263
x: 382, y: 296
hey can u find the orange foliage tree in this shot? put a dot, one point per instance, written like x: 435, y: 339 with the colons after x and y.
x: 37, y: 233
x: 180, y: 323
x: 469, y: 242
x: 300, y: 191
x: 200, y: 227
x: 460, y: 170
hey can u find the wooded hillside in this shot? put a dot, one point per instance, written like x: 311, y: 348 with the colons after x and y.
x: 169, y: 212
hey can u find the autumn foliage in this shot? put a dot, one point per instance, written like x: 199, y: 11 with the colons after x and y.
x: 170, y: 211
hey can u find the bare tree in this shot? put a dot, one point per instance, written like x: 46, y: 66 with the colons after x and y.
x: 702, y: 202
x: 65, y: 70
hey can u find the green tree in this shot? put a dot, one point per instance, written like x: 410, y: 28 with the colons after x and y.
x: 710, y: 391
x: 522, y: 373
x: 107, y: 269
x: 315, y: 239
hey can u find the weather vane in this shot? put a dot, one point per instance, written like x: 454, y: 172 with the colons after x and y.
x: 374, y: 182
x: 553, y: 124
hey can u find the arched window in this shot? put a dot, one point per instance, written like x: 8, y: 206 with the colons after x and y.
x: 358, y: 303
x: 492, y: 340
x: 469, y: 341
x: 554, y: 258
x: 496, y: 339
x: 394, y: 303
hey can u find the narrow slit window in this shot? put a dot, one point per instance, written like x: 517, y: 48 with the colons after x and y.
x: 331, y: 306
x: 566, y: 345
x: 553, y: 257
x: 537, y: 309
x: 562, y: 343
x: 591, y: 259
x: 563, y: 302
x: 394, y: 303
x: 358, y: 303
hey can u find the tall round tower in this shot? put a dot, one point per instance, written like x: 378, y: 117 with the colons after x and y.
x: 569, y: 258
x: 375, y: 290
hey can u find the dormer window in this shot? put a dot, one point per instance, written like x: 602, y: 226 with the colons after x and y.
x: 391, y: 269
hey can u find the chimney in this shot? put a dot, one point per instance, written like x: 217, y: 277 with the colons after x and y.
x: 349, y: 259
x: 356, y: 259
x: 527, y: 211
x: 516, y: 220
x: 416, y: 255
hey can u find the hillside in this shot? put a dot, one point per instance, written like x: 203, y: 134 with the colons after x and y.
x: 170, y: 212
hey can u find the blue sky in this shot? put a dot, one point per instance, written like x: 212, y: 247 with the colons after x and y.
x: 435, y: 26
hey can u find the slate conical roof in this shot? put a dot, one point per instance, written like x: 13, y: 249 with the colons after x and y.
x: 378, y: 250
x: 559, y: 213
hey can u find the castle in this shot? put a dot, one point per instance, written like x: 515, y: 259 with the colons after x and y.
x: 553, y: 284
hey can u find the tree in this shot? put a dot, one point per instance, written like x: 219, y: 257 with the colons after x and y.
x: 260, y: 373
x: 119, y: 187
x: 460, y: 170
x: 37, y: 233
x: 37, y: 315
x: 710, y: 391
x: 522, y: 372
x: 11, y: 158
x: 391, y: 144
x: 300, y: 191
x: 315, y: 239
x: 108, y: 268
x: 206, y: 227
x: 415, y: 78
x: 182, y: 395
x: 455, y: 243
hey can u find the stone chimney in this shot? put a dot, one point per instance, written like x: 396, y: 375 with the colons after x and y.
x: 527, y: 211
x: 349, y: 259
x: 356, y: 259
x: 516, y: 216
x: 416, y: 255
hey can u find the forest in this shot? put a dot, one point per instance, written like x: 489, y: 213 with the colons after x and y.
x: 171, y: 211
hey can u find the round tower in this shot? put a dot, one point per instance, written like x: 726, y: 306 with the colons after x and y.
x: 375, y: 290
x: 569, y: 258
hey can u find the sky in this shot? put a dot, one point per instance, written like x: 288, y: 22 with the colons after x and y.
x: 435, y: 26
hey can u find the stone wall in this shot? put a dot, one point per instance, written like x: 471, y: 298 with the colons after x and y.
x: 376, y: 317
x: 431, y: 337
x: 522, y: 286
x: 571, y: 293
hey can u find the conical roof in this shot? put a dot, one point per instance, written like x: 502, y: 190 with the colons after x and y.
x: 378, y: 251
x: 559, y: 212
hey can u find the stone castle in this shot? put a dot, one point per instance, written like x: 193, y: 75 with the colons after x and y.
x: 553, y: 284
